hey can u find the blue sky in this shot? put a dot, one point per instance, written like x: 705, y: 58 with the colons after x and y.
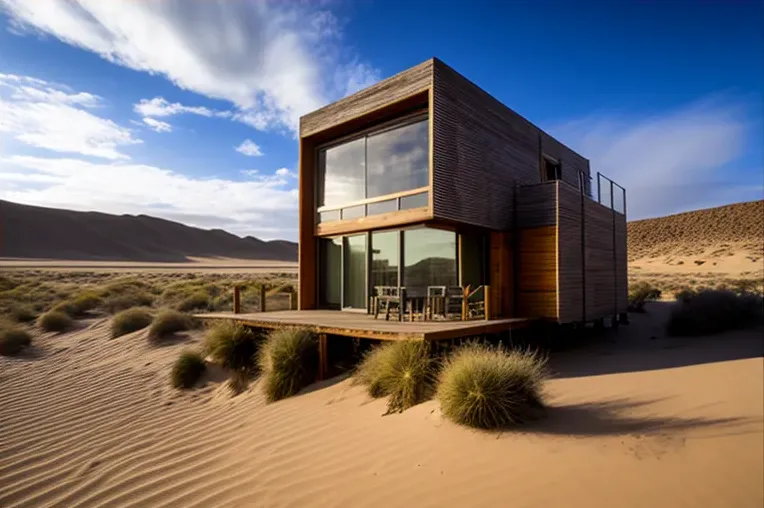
x: 188, y: 110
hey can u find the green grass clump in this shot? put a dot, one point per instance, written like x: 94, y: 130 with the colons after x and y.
x: 13, y: 341
x: 402, y: 370
x: 490, y: 387
x: 641, y: 293
x: 117, y: 303
x: 288, y: 360
x: 168, y: 323
x: 80, y: 305
x: 195, y: 301
x: 23, y: 313
x: 55, y: 321
x: 187, y: 370
x: 232, y: 346
x: 710, y: 311
x: 129, y: 321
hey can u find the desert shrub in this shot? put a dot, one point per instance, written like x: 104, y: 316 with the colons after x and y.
x: 79, y: 306
x: 129, y: 321
x: 54, y: 321
x: 710, y: 311
x: 288, y: 360
x: 195, y: 301
x: 23, y: 313
x: 684, y: 294
x: 6, y: 283
x: 490, y: 387
x: 169, y: 322
x: 402, y: 370
x: 125, y: 286
x: 117, y: 303
x: 187, y: 370
x: 13, y: 341
x: 231, y: 345
x: 641, y: 293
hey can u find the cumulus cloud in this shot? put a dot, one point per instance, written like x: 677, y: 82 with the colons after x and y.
x: 264, y: 206
x: 668, y: 163
x: 161, y: 107
x: 250, y: 148
x: 50, y: 116
x: 273, y: 61
x: 157, y: 125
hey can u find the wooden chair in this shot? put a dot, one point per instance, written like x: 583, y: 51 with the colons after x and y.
x: 415, y: 301
x: 387, y: 299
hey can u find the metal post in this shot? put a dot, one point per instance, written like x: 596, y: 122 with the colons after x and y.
x: 599, y: 188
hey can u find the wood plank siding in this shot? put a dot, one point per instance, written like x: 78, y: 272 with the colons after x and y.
x: 481, y: 150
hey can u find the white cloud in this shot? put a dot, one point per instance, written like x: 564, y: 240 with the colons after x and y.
x: 668, y: 163
x: 286, y: 172
x: 250, y: 148
x: 159, y: 106
x: 264, y: 206
x: 274, y: 61
x: 50, y: 116
x: 157, y: 125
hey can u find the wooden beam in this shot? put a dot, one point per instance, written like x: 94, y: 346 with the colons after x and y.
x: 323, y: 357
x: 236, y: 299
x: 262, y: 297
x: 386, y: 197
x: 487, y: 302
x: 384, y: 220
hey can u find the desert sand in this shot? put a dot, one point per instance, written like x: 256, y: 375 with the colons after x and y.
x: 634, y: 419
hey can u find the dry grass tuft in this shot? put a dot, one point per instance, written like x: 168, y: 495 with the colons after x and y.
x: 129, y: 321
x: 710, y: 311
x: 402, y: 370
x: 288, y: 361
x: 232, y: 346
x: 490, y: 387
x: 187, y: 370
x: 55, y: 321
x: 168, y: 323
x: 641, y: 293
x: 13, y: 341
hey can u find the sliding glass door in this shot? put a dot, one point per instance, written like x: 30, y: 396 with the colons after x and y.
x: 354, y: 272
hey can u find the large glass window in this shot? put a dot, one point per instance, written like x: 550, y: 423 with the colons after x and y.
x: 342, y: 173
x: 374, y: 165
x: 429, y: 257
x: 473, y: 260
x: 397, y: 160
x: 384, y: 258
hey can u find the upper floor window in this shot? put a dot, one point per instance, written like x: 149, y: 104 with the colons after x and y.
x: 376, y: 164
x: 552, y: 169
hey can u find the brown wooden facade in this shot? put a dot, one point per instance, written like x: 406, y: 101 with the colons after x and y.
x: 553, y: 251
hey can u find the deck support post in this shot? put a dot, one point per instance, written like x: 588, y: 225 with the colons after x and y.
x: 262, y: 297
x: 236, y: 299
x: 323, y: 357
x: 292, y: 298
x: 465, y: 302
x: 623, y: 318
x: 487, y: 302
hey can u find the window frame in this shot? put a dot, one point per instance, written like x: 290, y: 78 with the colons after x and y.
x: 400, y: 121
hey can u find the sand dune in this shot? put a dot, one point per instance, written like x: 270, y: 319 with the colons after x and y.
x: 91, y: 421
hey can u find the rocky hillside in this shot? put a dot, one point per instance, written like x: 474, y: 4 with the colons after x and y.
x: 49, y: 233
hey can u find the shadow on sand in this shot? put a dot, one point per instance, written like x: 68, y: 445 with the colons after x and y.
x: 643, y: 345
x: 608, y: 418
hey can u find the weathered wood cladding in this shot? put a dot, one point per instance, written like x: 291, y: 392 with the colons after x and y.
x: 574, y: 247
x: 537, y: 285
x: 481, y: 150
x: 501, y: 275
x: 380, y: 95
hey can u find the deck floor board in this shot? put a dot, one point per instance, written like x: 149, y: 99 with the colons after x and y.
x: 352, y: 324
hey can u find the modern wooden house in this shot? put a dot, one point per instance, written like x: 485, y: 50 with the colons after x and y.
x: 425, y: 183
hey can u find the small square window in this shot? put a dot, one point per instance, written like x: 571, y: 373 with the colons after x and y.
x: 552, y: 170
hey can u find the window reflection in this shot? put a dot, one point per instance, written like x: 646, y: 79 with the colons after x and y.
x: 396, y: 160
x: 384, y: 258
x: 429, y: 257
x: 342, y: 173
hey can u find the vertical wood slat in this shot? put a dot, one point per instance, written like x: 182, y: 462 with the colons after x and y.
x: 487, y: 302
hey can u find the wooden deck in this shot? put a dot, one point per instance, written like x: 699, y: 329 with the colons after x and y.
x: 360, y: 325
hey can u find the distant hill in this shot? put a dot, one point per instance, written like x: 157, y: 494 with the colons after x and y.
x: 722, y: 230
x: 37, y: 232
